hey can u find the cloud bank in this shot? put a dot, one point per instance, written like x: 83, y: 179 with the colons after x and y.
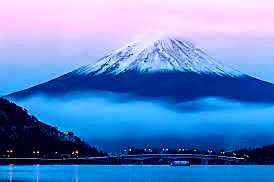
x: 112, y: 123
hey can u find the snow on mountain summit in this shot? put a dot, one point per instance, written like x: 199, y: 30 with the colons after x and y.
x: 156, y: 53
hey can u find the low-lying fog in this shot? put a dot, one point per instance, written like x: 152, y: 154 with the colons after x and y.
x: 114, y: 123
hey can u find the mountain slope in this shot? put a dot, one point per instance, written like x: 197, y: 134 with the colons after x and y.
x: 23, y: 133
x: 154, y: 68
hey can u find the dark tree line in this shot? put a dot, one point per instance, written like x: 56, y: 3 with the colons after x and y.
x: 263, y: 155
x: 23, y: 135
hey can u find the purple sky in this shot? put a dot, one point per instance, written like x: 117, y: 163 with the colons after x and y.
x: 41, y: 39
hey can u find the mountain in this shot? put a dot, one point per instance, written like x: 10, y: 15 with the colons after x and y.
x: 157, y: 67
x: 22, y: 134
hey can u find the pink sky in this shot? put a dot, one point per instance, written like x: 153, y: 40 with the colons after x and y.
x: 68, y: 17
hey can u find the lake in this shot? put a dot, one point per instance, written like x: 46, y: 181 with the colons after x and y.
x: 133, y: 173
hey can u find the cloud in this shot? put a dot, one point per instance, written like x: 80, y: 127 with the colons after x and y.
x: 110, y: 122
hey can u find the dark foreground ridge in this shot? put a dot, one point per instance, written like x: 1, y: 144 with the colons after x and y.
x: 23, y: 135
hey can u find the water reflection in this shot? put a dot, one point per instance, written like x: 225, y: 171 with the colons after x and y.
x: 10, y: 173
x: 36, y: 172
x: 21, y: 173
x: 76, y: 173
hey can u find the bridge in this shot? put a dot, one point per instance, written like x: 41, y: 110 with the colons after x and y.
x: 193, y: 158
x: 157, y: 159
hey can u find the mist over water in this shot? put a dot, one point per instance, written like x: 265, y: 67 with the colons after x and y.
x: 113, y: 122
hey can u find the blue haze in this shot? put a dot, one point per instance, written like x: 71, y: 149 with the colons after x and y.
x: 112, y: 123
x: 24, y: 63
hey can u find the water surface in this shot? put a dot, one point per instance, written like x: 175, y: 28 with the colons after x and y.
x: 136, y: 173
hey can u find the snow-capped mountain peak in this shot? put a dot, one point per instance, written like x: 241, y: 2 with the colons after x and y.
x: 157, y: 67
x: 157, y: 53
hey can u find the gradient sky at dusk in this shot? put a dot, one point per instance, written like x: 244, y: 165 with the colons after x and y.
x: 41, y: 39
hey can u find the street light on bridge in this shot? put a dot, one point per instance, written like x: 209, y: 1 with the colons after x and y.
x: 36, y: 152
